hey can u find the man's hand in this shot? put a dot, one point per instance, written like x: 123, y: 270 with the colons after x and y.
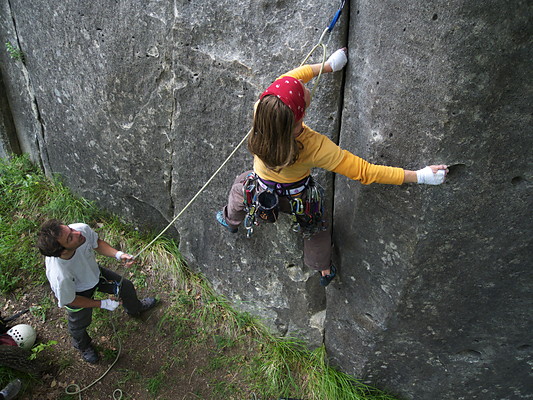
x: 109, y: 304
x: 126, y: 258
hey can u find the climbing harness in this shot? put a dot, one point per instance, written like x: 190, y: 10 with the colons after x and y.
x: 261, y: 202
x: 116, y: 285
x: 259, y: 205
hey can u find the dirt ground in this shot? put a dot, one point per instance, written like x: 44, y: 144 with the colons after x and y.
x: 153, y: 363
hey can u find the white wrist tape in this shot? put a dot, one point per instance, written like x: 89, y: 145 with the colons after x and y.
x: 118, y: 255
x: 426, y: 176
x: 337, y: 60
x: 109, y: 304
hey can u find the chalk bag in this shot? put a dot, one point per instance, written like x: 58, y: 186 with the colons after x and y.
x: 268, y: 206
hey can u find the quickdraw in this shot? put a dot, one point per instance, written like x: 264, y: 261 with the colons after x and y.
x: 307, y: 213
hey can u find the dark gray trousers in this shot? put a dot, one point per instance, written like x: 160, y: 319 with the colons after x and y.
x: 79, y: 321
x: 317, y: 249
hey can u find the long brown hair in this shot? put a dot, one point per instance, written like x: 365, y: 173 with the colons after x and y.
x: 272, y: 137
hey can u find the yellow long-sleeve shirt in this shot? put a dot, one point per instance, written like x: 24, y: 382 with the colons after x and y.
x: 319, y: 151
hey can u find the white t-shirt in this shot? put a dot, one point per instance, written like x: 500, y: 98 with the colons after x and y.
x: 80, y: 273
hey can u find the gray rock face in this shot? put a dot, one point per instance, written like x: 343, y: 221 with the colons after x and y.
x: 435, y: 279
x: 136, y: 105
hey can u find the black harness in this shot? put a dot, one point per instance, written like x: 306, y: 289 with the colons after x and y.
x: 261, y: 200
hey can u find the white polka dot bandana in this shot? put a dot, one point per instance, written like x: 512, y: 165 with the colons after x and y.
x: 290, y: 91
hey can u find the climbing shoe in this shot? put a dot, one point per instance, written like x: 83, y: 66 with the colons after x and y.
x: 11, y: 390
x: 222, y: 221
x: 90, y: 355
x: 326, y: 279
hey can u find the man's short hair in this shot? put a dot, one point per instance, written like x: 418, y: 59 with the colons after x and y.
x: 47, y: 240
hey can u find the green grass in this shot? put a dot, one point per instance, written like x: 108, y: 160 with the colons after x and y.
x: 270, y: 366
x: 14, y: 53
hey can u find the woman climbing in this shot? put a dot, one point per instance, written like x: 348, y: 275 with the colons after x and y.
x: 284, y: 151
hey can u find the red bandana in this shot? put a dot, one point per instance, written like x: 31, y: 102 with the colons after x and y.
x: 290, y: 91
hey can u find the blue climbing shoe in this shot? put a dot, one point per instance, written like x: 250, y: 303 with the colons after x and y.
x: 222, y: 221
x: 326, y: 279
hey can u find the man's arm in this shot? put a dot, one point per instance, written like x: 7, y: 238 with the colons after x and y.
x: 84, y: 302
x: 105, y: 249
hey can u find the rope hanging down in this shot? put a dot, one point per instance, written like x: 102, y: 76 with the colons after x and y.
x: 319, y: 44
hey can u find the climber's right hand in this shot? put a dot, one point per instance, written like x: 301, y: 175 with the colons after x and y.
x: 338, y: 59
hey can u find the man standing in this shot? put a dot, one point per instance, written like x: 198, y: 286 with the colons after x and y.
x: 74, y: 276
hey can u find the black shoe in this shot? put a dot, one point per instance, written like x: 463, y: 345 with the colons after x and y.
x: 147, y: 303
x: 222, y: 221
x: 326, y: 279
x: 90, y: 355
x: 11, y: 390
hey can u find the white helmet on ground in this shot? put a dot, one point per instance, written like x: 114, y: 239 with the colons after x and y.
x: 24, y: 335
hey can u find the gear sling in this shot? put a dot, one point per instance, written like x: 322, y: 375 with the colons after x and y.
x: 261, y: 202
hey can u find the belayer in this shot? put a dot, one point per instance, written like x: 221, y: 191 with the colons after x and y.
x: 75, y: 275
x: 285, y: 150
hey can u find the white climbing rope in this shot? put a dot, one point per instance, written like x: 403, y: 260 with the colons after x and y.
x: 196, y: 195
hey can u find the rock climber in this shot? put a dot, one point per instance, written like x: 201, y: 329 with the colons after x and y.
x: 284, y: 150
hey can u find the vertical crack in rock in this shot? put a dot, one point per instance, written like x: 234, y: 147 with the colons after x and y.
x: 40, y: 139
x: 174, y: 113
x: 13, y: 144
x: 346, y: 35
x: 170, y: 137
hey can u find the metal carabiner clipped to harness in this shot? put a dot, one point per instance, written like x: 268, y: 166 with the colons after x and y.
x: 297, y: 206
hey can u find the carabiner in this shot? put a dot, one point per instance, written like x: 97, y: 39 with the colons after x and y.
x: 297, y: 206
x: 336, y: 17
